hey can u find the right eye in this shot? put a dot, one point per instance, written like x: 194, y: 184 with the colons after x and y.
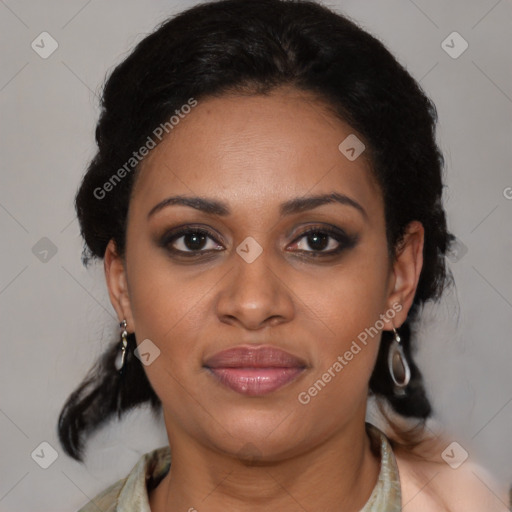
x: 190, y: 241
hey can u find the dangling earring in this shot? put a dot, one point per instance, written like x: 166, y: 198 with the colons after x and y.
x: 121, y: 355
x: 398, y: 366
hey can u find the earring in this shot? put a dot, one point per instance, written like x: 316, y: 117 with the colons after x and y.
x: 121, y: 355
x: 398, y: 366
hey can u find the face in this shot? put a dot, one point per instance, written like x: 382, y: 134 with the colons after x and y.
x: 259, y: 263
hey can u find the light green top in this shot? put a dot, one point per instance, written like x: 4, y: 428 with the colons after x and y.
x: 131, y: 493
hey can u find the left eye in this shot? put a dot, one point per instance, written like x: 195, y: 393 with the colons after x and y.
x: 321, y: 241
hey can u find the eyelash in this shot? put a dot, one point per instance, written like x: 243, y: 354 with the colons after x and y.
x: 345, y: 241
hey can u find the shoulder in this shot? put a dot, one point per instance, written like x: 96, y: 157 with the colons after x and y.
x: 433, y: 485
x: 106, y: 501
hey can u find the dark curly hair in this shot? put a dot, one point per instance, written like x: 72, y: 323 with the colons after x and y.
x: 254, y: 46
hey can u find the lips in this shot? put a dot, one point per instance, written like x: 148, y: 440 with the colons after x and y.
x: 254, y: 370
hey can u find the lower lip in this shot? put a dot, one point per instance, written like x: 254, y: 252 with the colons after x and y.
x: 255, y: 381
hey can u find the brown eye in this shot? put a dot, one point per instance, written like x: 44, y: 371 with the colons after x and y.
x: 319, y: 241
x: 190, y: 241
x: 324, y: 241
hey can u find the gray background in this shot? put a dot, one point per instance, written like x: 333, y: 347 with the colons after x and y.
x: 56, y: 316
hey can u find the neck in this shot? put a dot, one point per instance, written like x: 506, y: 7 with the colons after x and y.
x: 338, y: 475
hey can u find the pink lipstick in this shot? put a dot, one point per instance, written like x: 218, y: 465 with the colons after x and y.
x: 254, y: 371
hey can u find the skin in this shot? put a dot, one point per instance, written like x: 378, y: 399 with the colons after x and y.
x: 254, y: 153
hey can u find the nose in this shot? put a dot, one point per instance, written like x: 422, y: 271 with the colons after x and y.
x: 255, y: 295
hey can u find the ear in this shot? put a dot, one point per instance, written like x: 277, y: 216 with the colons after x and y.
x: 115, y: 275
x: 406, y: 270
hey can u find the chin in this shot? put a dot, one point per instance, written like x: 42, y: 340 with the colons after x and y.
x: 256, y: 435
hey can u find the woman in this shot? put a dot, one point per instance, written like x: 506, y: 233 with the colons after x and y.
x: 266, y: 197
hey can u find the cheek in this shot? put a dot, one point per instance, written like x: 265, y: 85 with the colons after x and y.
x: 347, y: 304
x: 347, y: 298
x: 353, y: 304
x: 168, y: 310
x: 161, y: 293
x: 166, y: 306
x: 345, y: 357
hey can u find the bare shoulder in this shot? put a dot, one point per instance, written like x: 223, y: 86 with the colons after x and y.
x: 432, y: 485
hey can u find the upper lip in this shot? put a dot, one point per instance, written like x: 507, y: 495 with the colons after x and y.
x: 261, y: 356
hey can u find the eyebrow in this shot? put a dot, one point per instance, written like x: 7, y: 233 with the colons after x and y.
x: 296, y: 205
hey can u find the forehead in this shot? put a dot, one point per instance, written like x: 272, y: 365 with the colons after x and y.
x: 253, y: 150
